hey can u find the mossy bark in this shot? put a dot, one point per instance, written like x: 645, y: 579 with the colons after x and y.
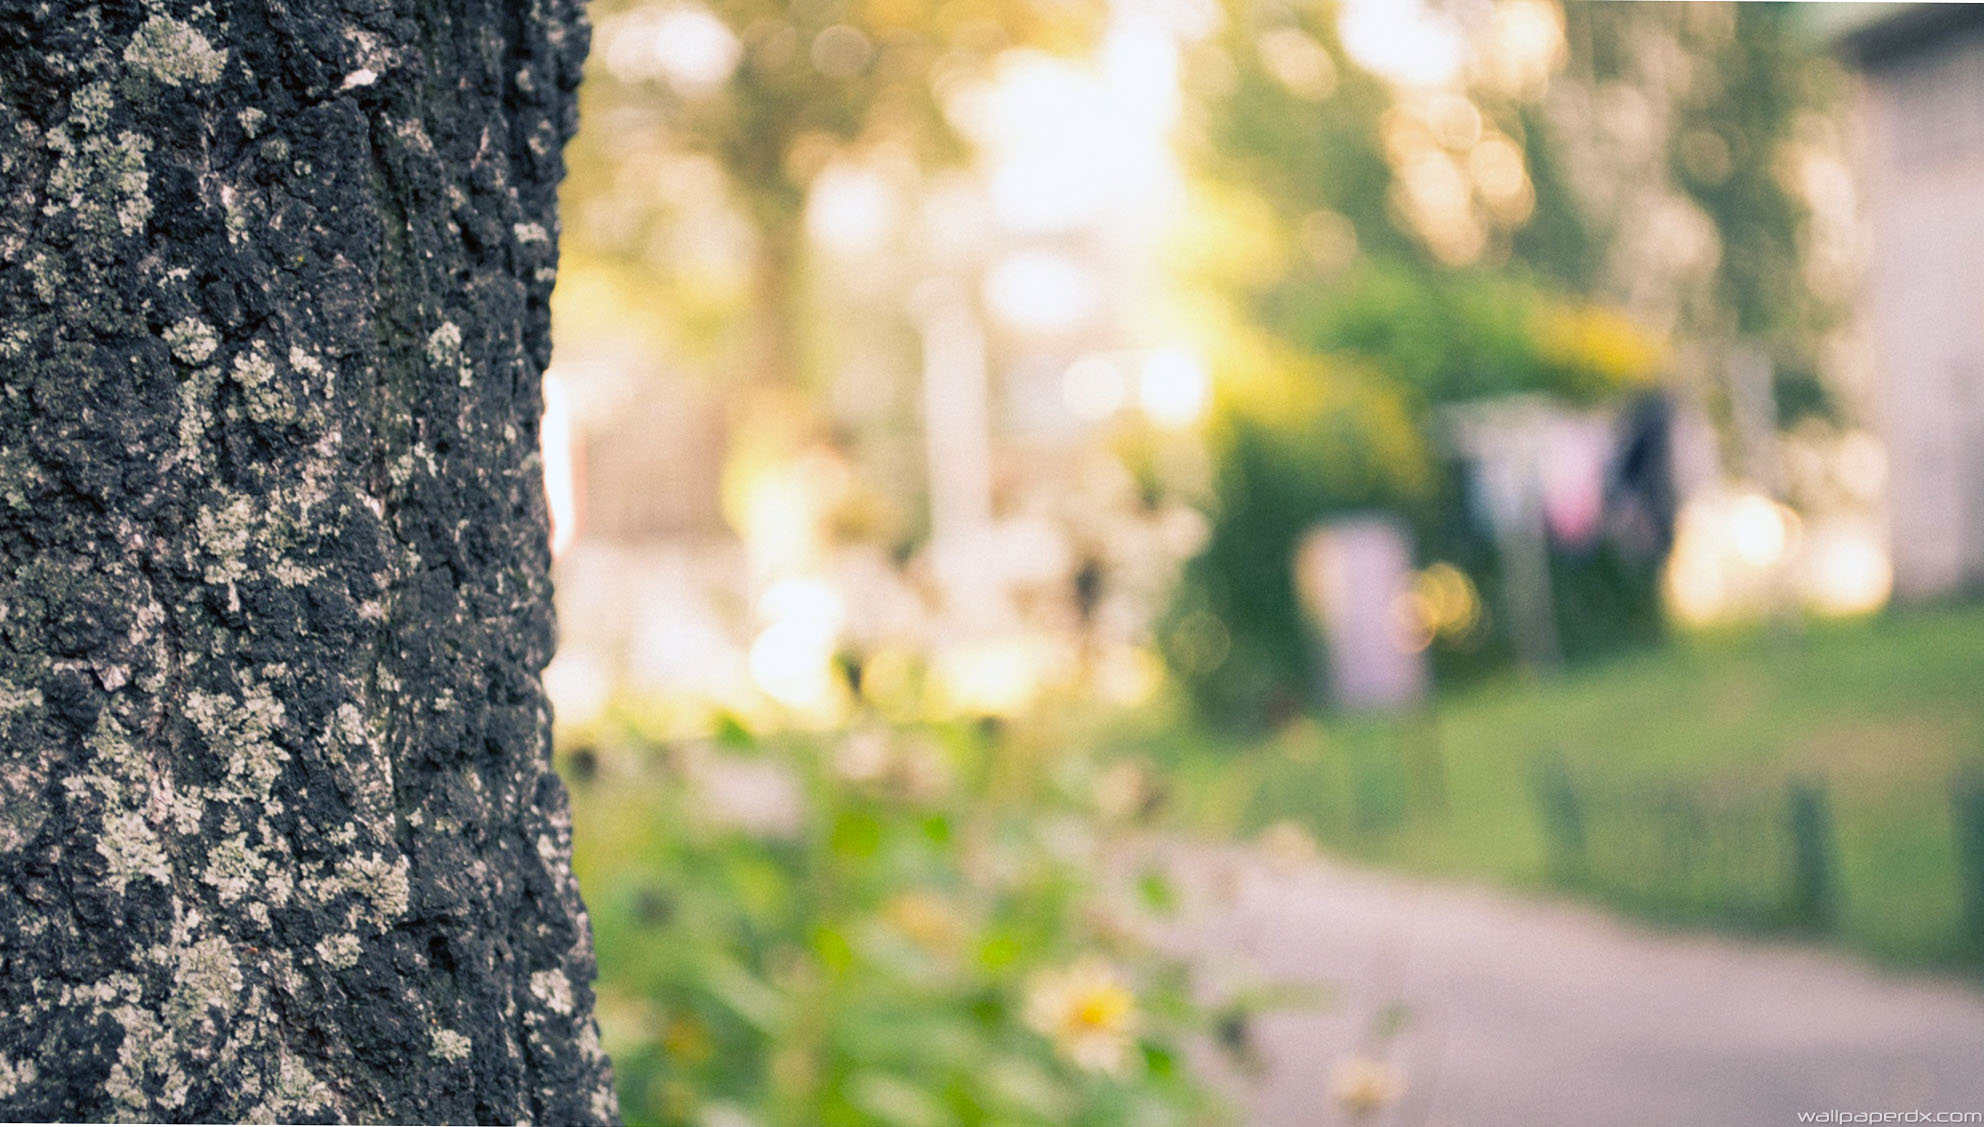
x: 279, y: 837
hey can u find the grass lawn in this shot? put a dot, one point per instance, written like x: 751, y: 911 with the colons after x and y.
x: 1883, y: 712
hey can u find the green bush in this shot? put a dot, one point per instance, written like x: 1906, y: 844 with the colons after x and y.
x: 880, y: 928
x: 1344, y: 420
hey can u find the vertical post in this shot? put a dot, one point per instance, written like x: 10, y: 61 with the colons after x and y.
x: 1505, y: 438
x: 1377, y: 792
x: 1814, y: 899
x: 1562, y: 815
x: 1753, y: 402
x: 1967, y: 816
x: 1424, y: 759
x: 957, y: 431
x: 956, y: 418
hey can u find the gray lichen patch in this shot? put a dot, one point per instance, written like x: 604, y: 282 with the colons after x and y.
x: 192, y: 340
x: 444, y: 350
x: 234, y: 215
x: 267, y: 400
x: 115, y: 753
x: 243, y: 732
x: 132, y: 850
x: 339, y: 951
x: 553, y: 989
x: 350, y: 728
x: 208, y: 978
x: 101, y: 180
x: 175, y: 53
x: 253, y: 369
x: 450, y: 1045
x: 444, y: 345
x: 313, y: 370
x: 146, y: 1058
x: 233, y: 869
x: 378, y: 888
x: 296, y: 1093
x: 14, y: 1074
x: 381, y: 885
x: 14, y: 698
x: 89, y: 109
x: 22, y: 808
x: 290, y: 573
x: 196, y: 414
x: 226, y: 532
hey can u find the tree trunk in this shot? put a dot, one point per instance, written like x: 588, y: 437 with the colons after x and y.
x: 279, y: 837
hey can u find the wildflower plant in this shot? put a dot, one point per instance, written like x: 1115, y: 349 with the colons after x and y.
x: 927, y: 934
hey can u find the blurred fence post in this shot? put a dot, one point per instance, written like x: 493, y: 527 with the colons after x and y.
x: 1424, y: 761
x: 1814, y: 888
x: 1967, y: 815
x: 1562, y: 815
x: 1378, y: 788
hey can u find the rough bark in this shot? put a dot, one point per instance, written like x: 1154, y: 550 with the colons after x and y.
x: 278, y: 833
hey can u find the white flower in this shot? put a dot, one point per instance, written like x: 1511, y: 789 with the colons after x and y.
x: 1087, y: 1012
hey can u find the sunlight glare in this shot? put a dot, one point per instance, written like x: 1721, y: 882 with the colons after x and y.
x: 1173, y: 388
x: 1402, y: 40
x: 684, y: 45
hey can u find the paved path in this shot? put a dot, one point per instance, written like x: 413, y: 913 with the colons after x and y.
x: 1532, y: 1014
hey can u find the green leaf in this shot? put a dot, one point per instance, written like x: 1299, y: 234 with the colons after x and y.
x: 745, y: 995
x: 893, y: 1100
x: 831, y: 944
x: 857, y: 834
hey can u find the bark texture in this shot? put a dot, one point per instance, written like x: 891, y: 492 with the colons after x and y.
x: 279, y: 838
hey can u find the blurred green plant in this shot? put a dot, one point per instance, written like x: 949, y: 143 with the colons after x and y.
x: 888, y: 927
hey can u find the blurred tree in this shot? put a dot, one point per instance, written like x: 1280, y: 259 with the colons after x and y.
x: 713, y: 122
x: 1689, y: 130
x: 1591, y: 197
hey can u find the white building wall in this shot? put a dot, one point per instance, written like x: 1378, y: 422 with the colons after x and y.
x: 1925, y: 192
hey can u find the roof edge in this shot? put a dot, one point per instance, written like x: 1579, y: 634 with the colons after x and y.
x: 1889, y: 36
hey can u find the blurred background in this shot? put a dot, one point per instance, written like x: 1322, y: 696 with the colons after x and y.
x: 1022, y: 470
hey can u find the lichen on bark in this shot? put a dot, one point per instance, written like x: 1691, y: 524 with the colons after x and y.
x: 273, y: 286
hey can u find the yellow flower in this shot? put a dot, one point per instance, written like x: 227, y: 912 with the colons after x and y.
x: 1087, y: 1012
x: 1364, y: 1084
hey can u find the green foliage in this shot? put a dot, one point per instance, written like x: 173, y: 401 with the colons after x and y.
x: 1300, y: 151
x: 1758, y: 80
x: 1345, y: 422
x: 1311, y: 443
x: 1378, y: 301
x: 889, y: 928
x: 1449, y: 337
